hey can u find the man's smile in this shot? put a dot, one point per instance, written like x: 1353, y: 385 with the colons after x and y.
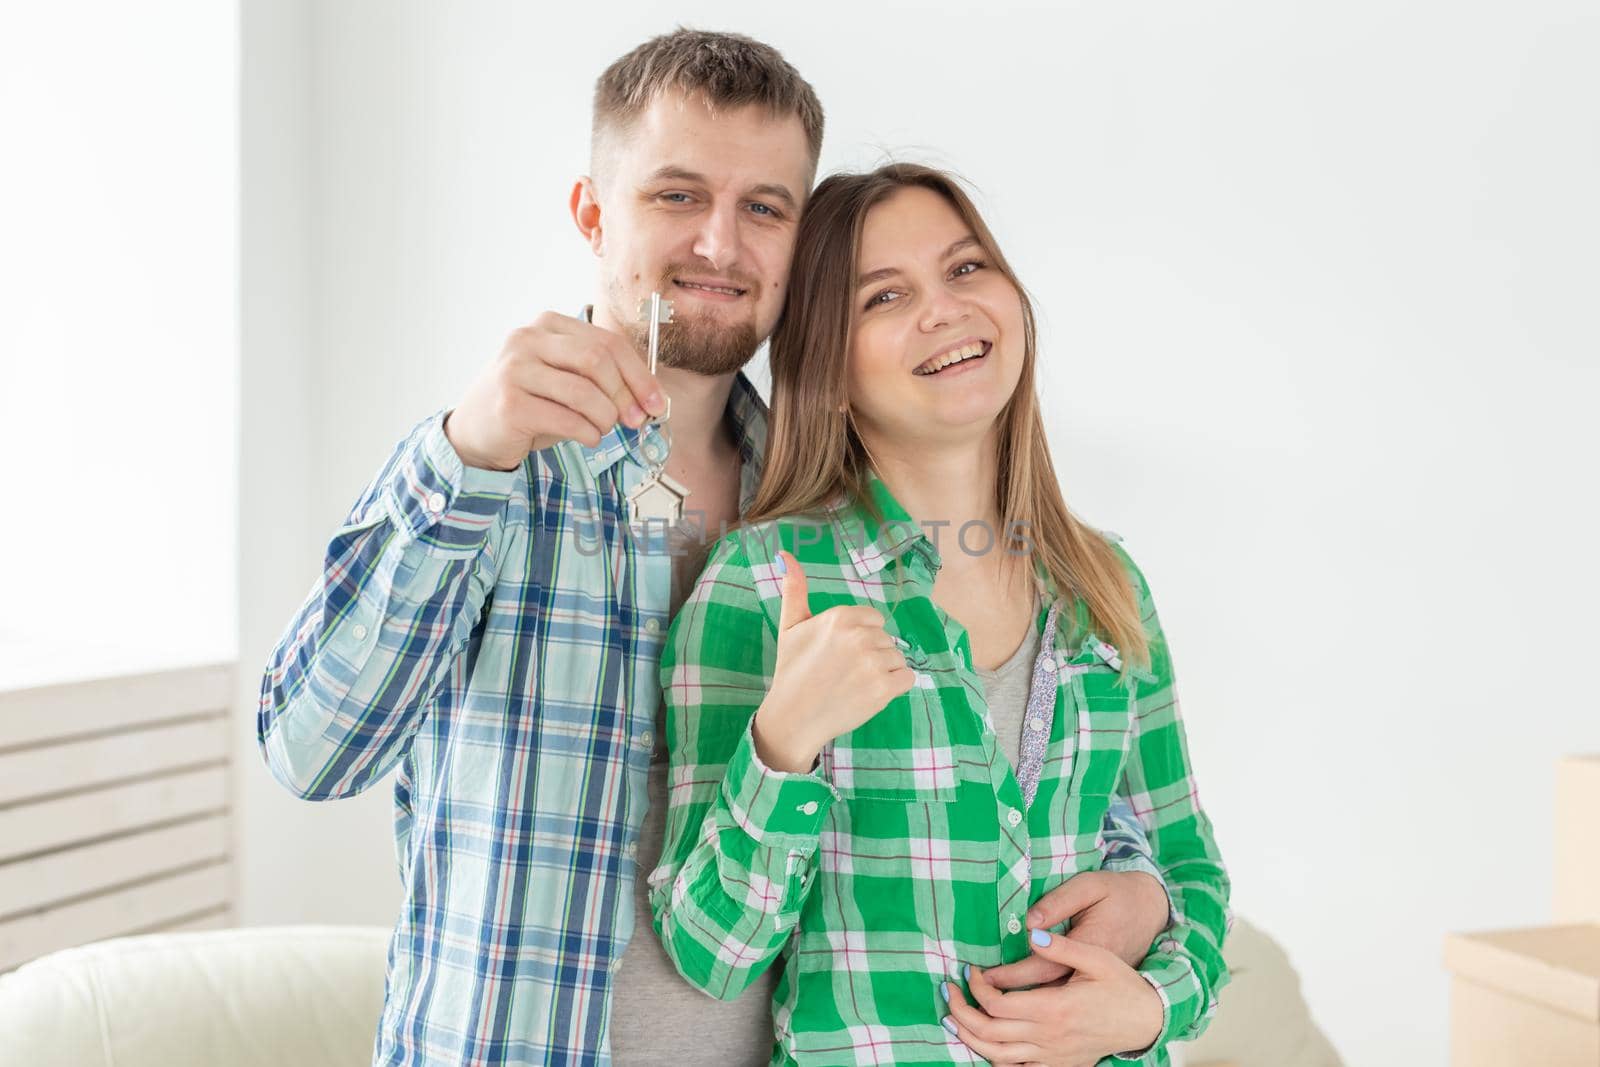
x: 714, y: 289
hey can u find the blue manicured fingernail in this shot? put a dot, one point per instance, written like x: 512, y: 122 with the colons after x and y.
x: 780, y: 565
x: 949, y: 1024
x: 1040, y: 937
x: 966, y: 971
x: 944, y: 987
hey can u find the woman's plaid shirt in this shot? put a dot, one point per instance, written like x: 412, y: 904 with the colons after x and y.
x: 911, y: 849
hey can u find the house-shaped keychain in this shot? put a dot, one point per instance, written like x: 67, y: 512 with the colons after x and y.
x: 659, y: 498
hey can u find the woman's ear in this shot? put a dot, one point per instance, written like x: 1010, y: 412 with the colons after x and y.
x: 585, y: 206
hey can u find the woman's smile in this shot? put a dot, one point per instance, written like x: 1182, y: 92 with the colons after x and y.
x: 957, y: 361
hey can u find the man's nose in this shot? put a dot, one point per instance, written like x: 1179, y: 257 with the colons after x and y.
x: 717, y: 242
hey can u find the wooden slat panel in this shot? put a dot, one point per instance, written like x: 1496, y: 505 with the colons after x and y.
x: 49, y: 824
x: 28, y: 885
x: 112, y: 914
x: 46, y: 713
x: 211, y: 920
x: 31, y: 772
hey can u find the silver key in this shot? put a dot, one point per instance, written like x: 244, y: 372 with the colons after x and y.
x: 656, y: 311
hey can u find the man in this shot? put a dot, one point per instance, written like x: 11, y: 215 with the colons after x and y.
x: 488, y: 625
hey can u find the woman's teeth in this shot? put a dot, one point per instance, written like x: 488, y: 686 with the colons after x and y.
x: 934, y: 366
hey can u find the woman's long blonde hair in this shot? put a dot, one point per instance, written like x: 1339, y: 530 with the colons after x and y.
x: 814, y: 452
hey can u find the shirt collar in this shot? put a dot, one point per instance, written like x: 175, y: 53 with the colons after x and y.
x: 746, y: 413
x: 871, y: 545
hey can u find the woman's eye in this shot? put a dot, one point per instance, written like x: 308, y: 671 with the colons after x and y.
x: 878, y: 298
x: 975, y: 264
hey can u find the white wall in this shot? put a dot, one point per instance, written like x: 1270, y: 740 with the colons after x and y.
x: 118, y: 335
x: 296, y: 861
x: 1317, y: 288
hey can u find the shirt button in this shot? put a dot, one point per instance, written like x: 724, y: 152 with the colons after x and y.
x: 1013, y: 817
x: 645, y: 739
x: 808, y: 808
x: 1014, y: 925
x: 436, y: 502
x: 652, y: 626
x: 631, y: 849
x: 358, y: 632
x: 1036, y: 724
x: 1050, y: 666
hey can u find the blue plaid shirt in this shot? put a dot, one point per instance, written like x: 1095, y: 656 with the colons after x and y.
x: 495, y: 637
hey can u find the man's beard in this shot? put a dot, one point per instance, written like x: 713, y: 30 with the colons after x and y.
x: 695, y: 342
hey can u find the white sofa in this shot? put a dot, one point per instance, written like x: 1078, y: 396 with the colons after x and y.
x: 309, y: 996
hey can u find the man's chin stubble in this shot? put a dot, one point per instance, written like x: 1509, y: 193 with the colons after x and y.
x: 697, y: 346
x: 713, y: 351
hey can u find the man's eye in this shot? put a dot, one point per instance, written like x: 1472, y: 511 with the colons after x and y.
x: 683, y: 198
x: 764, y: 209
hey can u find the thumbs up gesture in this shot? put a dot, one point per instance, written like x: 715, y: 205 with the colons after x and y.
x: 835, y: 670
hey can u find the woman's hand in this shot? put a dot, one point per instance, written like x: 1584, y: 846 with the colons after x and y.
x: 834, y: 671
x: 1121, y: 911
x: 1106, y: 1008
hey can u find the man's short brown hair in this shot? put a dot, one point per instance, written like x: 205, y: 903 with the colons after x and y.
x: 728, y: 70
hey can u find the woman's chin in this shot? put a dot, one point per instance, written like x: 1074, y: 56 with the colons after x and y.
x: 975, y: 405
x: 954, y: 419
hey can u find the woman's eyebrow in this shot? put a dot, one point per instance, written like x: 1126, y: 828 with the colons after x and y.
x: 888, y: 272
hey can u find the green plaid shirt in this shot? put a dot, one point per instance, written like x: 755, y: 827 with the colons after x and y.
x: 912, y: 848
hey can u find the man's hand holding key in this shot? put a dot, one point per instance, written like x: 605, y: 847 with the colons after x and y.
x: 558, y: 379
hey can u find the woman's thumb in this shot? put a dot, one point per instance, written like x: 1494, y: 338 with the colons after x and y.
x: 795, y: 608
x: 1079, y: 955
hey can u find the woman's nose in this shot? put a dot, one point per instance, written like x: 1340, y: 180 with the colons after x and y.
x: 944, y: 308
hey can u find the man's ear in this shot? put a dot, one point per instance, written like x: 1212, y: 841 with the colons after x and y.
x: 585, y: 205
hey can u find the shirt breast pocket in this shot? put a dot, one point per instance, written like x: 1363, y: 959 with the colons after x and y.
x: 903, y: 753
x: 1103, y: 725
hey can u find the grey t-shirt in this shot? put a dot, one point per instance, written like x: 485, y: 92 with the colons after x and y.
x: 1005, y: 689
x: 656, y: 1016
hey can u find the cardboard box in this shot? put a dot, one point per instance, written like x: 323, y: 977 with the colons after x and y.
x: 1577, y: 898
x: 1525, y: 997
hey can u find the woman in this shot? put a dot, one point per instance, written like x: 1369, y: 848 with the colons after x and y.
x: 842, y: 792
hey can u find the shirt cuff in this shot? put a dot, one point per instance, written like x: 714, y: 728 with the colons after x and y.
x: 774, y: 807
x: 434, y: 498
x: 1172, y: 976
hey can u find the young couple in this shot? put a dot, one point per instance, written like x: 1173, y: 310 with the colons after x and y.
x: 902, y: 750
